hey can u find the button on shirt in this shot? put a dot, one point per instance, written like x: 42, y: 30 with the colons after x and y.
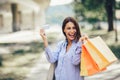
x: 68, y: 63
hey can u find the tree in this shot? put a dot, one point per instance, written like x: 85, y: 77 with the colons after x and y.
x: 97, y: 10
x: 109, y: 6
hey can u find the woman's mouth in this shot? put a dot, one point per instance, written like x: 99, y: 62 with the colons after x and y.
x: 71, y: 35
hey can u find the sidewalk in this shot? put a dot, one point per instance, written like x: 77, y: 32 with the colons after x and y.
x: 39, y: 71
x: 112, y: 73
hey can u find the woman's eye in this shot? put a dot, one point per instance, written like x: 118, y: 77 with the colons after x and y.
x: 71, y: 28
x: 68, y: 28
x: 74, y: 28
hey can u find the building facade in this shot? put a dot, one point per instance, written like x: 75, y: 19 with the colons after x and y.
x: 18, y: 15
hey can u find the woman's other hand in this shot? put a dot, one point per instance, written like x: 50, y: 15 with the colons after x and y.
x: 83, y: 38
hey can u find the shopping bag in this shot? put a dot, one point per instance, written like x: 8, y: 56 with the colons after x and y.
x: 100, y: 52
x: 51, y: 72
x: 88, y: 65
x: 83, y: 68
x: 95, y: 56
x: 103, y: 48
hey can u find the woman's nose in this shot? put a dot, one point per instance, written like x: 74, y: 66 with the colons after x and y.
x: 72, y: 30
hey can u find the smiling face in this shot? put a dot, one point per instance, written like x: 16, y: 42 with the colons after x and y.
x: 70, y: 31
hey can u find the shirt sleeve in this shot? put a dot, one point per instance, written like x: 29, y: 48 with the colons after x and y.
x: 52, y: 56
x: 77, y: 55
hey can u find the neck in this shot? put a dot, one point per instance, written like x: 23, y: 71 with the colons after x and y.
x: 69, y: 42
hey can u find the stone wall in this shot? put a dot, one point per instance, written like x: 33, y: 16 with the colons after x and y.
x: 5, y: 18
x: 27, y: 18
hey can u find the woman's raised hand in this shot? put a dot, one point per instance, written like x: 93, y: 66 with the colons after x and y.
x: 42, y: 34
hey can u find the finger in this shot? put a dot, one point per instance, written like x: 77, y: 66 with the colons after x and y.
x: 42, y: 31
x: 81, y: 39
x: 86, y: 37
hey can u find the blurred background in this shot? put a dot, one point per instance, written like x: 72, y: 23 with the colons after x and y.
x: 21, y: 46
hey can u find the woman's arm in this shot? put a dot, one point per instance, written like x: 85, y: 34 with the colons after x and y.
x: 77, y: 56
x: 52, y: 56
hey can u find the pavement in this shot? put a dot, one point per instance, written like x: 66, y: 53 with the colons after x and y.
x: 40, y: 69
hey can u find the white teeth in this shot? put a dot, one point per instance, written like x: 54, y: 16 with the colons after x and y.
x: 71, y: 35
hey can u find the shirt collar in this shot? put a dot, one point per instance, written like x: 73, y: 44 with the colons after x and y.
x: 66, y: 42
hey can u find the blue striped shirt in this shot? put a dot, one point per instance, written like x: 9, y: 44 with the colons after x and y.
x: 68, y: 63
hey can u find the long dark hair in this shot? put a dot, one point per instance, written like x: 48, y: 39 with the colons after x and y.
x: 70, y: 19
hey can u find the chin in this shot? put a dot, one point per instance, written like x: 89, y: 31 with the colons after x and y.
x: 71, y: 39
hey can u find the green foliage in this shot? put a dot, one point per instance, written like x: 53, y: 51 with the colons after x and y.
x: 93, y: 4
x: 34, y: 47
x: 90, y: 10
x: 20, y: 51
x: 7, y: 79
x: 93, y: 20
x: 117, y: 6
x: 116, y: 50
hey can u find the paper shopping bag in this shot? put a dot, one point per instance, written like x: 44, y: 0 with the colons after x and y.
x: 95, y: 56
x: 51, y: 72
x: 100, y: 52
x: 103, y: 48
x: 88, y: 66
x: 83, y: 68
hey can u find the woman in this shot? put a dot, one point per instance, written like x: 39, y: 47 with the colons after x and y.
x: 67, y: 54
